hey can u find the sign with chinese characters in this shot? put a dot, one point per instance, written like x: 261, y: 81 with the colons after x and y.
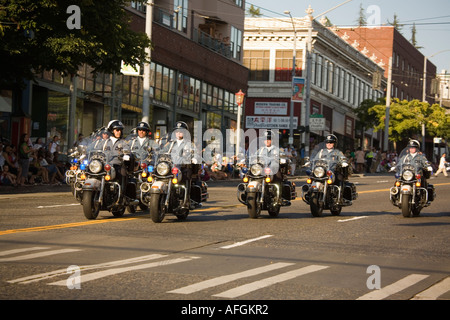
x: 271, y: 108
x: 316, y: 122
x: 269, y: 122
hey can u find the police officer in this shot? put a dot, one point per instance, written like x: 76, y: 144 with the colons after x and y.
x: 142, y: 142
x: 115, y: 142
x: 330, y: 152
x: 182, y: 151
x: 415, y: 156
x: 270, y: 153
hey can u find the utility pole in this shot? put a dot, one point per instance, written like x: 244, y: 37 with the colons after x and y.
x: 291, y: 118
x: 148, y: 31
x: 388, y: 105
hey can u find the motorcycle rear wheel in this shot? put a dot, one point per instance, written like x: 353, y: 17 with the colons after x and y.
x: 406, y: 206
x: 274, y: 211
x: 90, y: 209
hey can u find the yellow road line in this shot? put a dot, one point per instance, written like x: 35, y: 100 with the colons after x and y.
x: 62, y: 226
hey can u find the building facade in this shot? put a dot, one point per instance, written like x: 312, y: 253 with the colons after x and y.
x: 196, y: 69
x: 341, y: 78
x: 384, y: 42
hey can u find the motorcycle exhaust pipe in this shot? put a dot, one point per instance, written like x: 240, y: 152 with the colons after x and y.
x: 145, y: 187
x: 394, y: 191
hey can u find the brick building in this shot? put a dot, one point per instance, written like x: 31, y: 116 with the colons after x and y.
x: 381, y: 43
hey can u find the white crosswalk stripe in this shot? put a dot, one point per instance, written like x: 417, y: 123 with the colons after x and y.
x: 393, y: 288
x: 435, y: 291
x: 114, y: 271
x: 35, y: 255
x: 14, y: 251
x: 244, y: 289
x: 228, y: 278
x: 247, y: 288
x: 51, y: 274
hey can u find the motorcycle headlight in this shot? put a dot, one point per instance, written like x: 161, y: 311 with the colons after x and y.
x: 256, y: 170
x: 407, y: 175
x: 319, y: 172
x: 162, y: 168
x: 95, y: 166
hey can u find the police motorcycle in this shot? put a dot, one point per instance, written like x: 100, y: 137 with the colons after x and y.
x: 173, y: 185
x: 411, y: 191
x: 327, y: 186
x: 142, y: 149
x: 75, y: 176
x: 107, y: 185
x: 264, y: 185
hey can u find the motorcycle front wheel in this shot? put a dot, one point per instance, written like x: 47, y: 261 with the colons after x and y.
x: 315, y: 206
x: 157, y: 208
x: 253, y: 207
x: 90, y: 209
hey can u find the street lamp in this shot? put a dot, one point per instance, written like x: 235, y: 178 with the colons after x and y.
x: 239, y: 99
x: 291, y: 118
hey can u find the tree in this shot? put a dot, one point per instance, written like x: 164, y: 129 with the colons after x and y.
x: 366, y: 120
x: 413, y: 36
x: 254, y: 12
x: 406, y: 119
x: 35, y: 36
x: 362, y: 21
x: 396, y: 23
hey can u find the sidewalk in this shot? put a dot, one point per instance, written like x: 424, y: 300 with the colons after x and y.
x: 34, y: 189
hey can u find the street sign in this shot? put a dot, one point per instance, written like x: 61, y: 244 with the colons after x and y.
x: 316, y: 122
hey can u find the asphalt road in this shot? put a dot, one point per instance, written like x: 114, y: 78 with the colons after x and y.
x: 49, y: 251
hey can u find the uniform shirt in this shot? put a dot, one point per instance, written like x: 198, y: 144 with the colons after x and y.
x: 329, y: 154
x: 113, y: 148
x: 180, y: 151
x: 416, y: 159
x: 270, y: 156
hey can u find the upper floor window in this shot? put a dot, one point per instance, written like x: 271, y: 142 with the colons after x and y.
x: 258, y: 62
x: 180, y: 8
x: 284, y: 62
x: 236, y: 43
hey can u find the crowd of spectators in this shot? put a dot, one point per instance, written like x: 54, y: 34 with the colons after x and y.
x: 31, y: 163
x: 372, y: 160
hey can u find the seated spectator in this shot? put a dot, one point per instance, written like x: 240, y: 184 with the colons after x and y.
x: 11, y: 160
x: 216, y: 173
x: 54, y: 174
x: 7, y: 178
x: 38, y: 171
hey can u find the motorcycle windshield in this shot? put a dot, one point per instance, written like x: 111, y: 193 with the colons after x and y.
x: 264, y: 156
x: 323, y: 157
x: 411, y: 159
